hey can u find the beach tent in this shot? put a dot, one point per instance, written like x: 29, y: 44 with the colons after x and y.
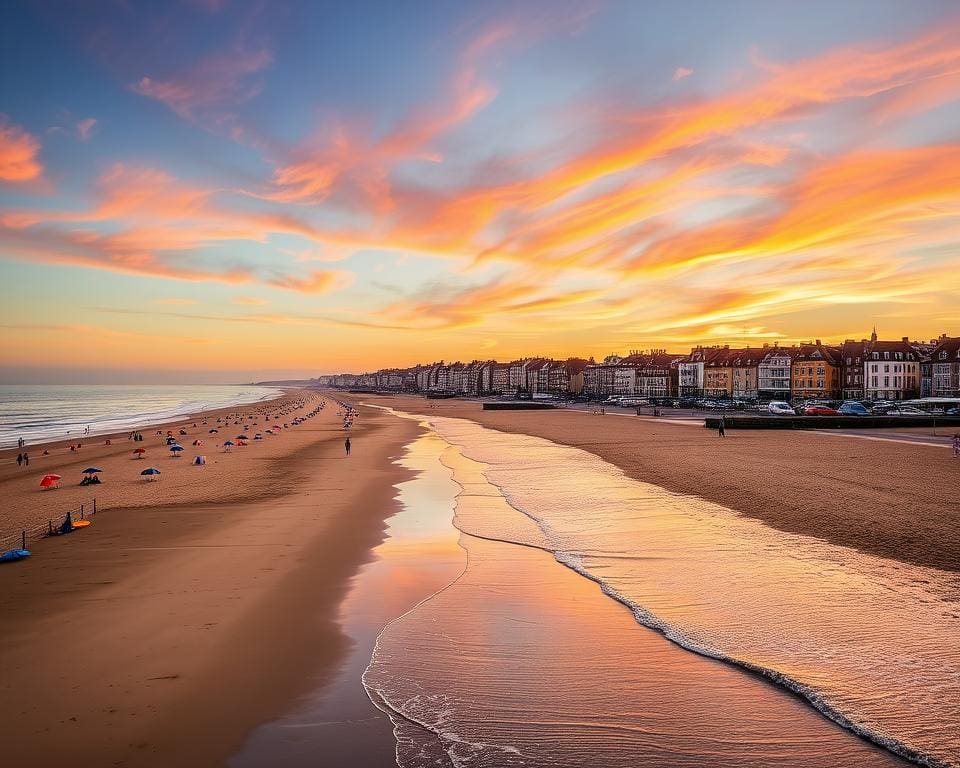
x: 50, y: 481
x: 150, y: 473
x: 138, y: 452
x: 199, y: 459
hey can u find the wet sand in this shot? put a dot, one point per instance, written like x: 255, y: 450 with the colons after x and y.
x: 163, y: 635
x: 896, y: 500
x: 521, y: 661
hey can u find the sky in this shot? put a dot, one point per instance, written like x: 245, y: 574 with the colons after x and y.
x: 216, y: 190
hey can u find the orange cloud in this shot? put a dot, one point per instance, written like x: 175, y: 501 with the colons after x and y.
x: 18, y: 153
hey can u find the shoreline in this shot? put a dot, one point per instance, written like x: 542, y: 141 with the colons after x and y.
x: 139, y: 426
x: 873, y: 496
x: 168, y: 633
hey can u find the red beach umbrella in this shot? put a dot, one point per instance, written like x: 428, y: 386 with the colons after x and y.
x: 49, y: 481
x: 138, y: 452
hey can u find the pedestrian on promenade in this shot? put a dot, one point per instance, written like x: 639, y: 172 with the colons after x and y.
x: 19, y: 459
x: 346, y: 445
x: 26, y: 459
x: 723, y: 428
x: 956, y: 445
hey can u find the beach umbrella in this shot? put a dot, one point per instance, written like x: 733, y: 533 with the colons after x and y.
x: 214, y: 431
x: 198, y: 442
x: 258, y: 436
x: 242, y: 437
x: 139, y: 452
x: 49, y: 481
x: 175, y: 449
x: 228, y: 442
x: 241, y: 442
x: 150, y: 473
x: 199, y: 459
x: 91, y: 471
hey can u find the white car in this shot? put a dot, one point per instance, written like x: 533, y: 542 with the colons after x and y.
x: 780, y: 408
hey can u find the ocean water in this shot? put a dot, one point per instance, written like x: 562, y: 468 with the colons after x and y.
x: 755, y: 647
x: 40, y: 413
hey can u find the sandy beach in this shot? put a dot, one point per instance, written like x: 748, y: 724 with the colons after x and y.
x: 184, y: 617
x: 206, y: 605
x: 892, y: 499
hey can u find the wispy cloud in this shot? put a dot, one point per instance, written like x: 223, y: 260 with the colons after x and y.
x: 216, y: 83
x: 681, y: 72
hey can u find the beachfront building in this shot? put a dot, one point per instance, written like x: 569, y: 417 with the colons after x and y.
x: 773, y: 373
x: 654, y: 373
x: 499, y: 378
x: 744, y: 370
x: 718, y: 372
x: 852, y: 356
x: 692, y: 370
x: 891, y: 370
x: 945, y: 364
x: 815, y: 373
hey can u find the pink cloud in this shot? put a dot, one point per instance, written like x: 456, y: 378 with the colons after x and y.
x: 18, y: 153
x: 681, y: 72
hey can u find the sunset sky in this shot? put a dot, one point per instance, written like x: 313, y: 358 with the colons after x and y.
x: 214, y: 190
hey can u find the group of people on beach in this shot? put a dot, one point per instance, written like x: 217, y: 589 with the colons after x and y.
x: 137, y: 437
x: 23, y: 459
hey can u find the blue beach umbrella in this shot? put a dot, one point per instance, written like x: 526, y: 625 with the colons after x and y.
x: 91, y: 471
x: 150, y: 472
x: 228, y: 442
x: 175, y: 449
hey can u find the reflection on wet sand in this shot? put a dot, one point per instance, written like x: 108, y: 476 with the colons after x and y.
x: 523, y: 662
x: 337, y: 725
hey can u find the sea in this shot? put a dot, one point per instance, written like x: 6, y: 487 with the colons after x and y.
x: 601, y: 620
x: 42, y: 413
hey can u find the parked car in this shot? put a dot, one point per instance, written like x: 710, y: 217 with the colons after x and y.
x: 905, y: 410
x: 820, y: 410
x: 780, y: 408
x: 853, y: 408
x: 953, y: 411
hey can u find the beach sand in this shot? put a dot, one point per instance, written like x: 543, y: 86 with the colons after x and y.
x: 164, y: 634
x: 201, y: 606
x: 891, y: 499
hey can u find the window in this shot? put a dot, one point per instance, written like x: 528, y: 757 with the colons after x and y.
x: 886, y: 369
x: 886, y: 381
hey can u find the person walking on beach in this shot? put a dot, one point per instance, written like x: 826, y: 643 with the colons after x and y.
x: 956, y: 446
x: 26, y: 459
x: 346, y: 445
x: 19, y: 459
x: 722, y: 431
